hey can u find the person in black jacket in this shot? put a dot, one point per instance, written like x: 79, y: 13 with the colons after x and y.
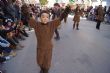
x: 55, y: 14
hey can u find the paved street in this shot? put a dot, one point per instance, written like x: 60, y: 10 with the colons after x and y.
x: 78, y: 51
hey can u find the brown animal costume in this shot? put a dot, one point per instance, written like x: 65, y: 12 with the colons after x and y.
x: 44, y: 34
x: 99, y: 16
x: 76, y: 18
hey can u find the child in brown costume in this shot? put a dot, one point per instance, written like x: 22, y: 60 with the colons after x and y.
x: 44, y: 32
x: 76, y: 18
x: 99, y: 16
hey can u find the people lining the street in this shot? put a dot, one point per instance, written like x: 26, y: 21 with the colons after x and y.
x: 12, y: 30
x: 14, y: 18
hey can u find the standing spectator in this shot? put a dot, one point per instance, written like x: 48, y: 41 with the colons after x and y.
x: 108, y: 15
x: 17, y: 11
x: 10, y: 10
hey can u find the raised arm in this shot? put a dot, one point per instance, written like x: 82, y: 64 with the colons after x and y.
x: 32, y: 22
x: 57, y: 21
x: 65, y: 13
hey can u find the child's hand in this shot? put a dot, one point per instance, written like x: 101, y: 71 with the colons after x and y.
x: 14, y: 25
x: 3, y: 27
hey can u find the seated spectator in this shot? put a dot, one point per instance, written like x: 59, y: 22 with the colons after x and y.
x: 12, y: 35
x: 3, y: 33
x: 4, y: 46
x: 21, y: 29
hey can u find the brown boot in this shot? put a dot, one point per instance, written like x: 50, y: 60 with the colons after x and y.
x: 45, y: 70
x: 73, y: 26
x: 41, y: 71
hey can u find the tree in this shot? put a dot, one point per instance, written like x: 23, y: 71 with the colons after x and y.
x: 71, y: 1
x: 56, y: 1
x: 43, y: 2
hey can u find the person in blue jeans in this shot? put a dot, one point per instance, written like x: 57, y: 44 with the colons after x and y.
x: 4, y: 46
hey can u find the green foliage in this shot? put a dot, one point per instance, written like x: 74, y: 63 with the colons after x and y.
x: 56, y: 1
x: 71, y: 1
x: 43, y: 2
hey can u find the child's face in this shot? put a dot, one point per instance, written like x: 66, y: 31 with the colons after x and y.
x: 9, y: 23
x: 44, y: 18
